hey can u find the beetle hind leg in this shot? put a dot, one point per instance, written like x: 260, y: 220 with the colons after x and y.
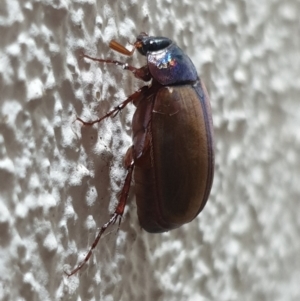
x: 117, y: 215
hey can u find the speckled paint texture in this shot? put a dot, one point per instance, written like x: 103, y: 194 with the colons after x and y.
x: 59, y: 180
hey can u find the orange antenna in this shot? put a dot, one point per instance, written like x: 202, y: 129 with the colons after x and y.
x: 120, y: 48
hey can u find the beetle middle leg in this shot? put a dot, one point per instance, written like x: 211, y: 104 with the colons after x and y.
x: 114, y: 112
x: 117, y: 215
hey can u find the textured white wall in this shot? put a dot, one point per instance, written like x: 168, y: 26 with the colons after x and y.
x: 58, y: 180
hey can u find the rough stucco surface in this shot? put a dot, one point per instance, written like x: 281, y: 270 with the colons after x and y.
x: 59, y: 181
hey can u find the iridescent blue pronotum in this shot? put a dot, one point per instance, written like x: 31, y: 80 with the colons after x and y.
x: 172, y: 156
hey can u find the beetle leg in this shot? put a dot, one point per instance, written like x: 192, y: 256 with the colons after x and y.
x: 142, y: 73
x: 114, y: 112
x: 118, y: 211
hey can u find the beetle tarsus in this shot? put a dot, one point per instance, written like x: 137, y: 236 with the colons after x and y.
x: 112, y: 221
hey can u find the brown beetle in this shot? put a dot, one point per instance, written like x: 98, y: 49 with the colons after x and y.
x: 172, y: 155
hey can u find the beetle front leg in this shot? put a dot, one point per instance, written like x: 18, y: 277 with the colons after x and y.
x: 129, y: 164
x: 142, y: 73
x: 132, y: 98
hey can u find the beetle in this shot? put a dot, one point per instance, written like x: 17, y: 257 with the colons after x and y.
x: 172, y: 156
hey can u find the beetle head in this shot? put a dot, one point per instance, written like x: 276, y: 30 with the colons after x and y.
x: 145, y: 44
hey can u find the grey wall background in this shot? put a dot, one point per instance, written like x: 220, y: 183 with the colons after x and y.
x: 59, y: 181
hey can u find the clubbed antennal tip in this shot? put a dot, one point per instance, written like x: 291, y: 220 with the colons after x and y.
x: 120, y: 48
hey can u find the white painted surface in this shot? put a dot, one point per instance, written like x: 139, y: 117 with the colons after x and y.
x: 58, y: 180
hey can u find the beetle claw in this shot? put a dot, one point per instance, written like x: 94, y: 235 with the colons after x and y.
x: 81, y: 55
